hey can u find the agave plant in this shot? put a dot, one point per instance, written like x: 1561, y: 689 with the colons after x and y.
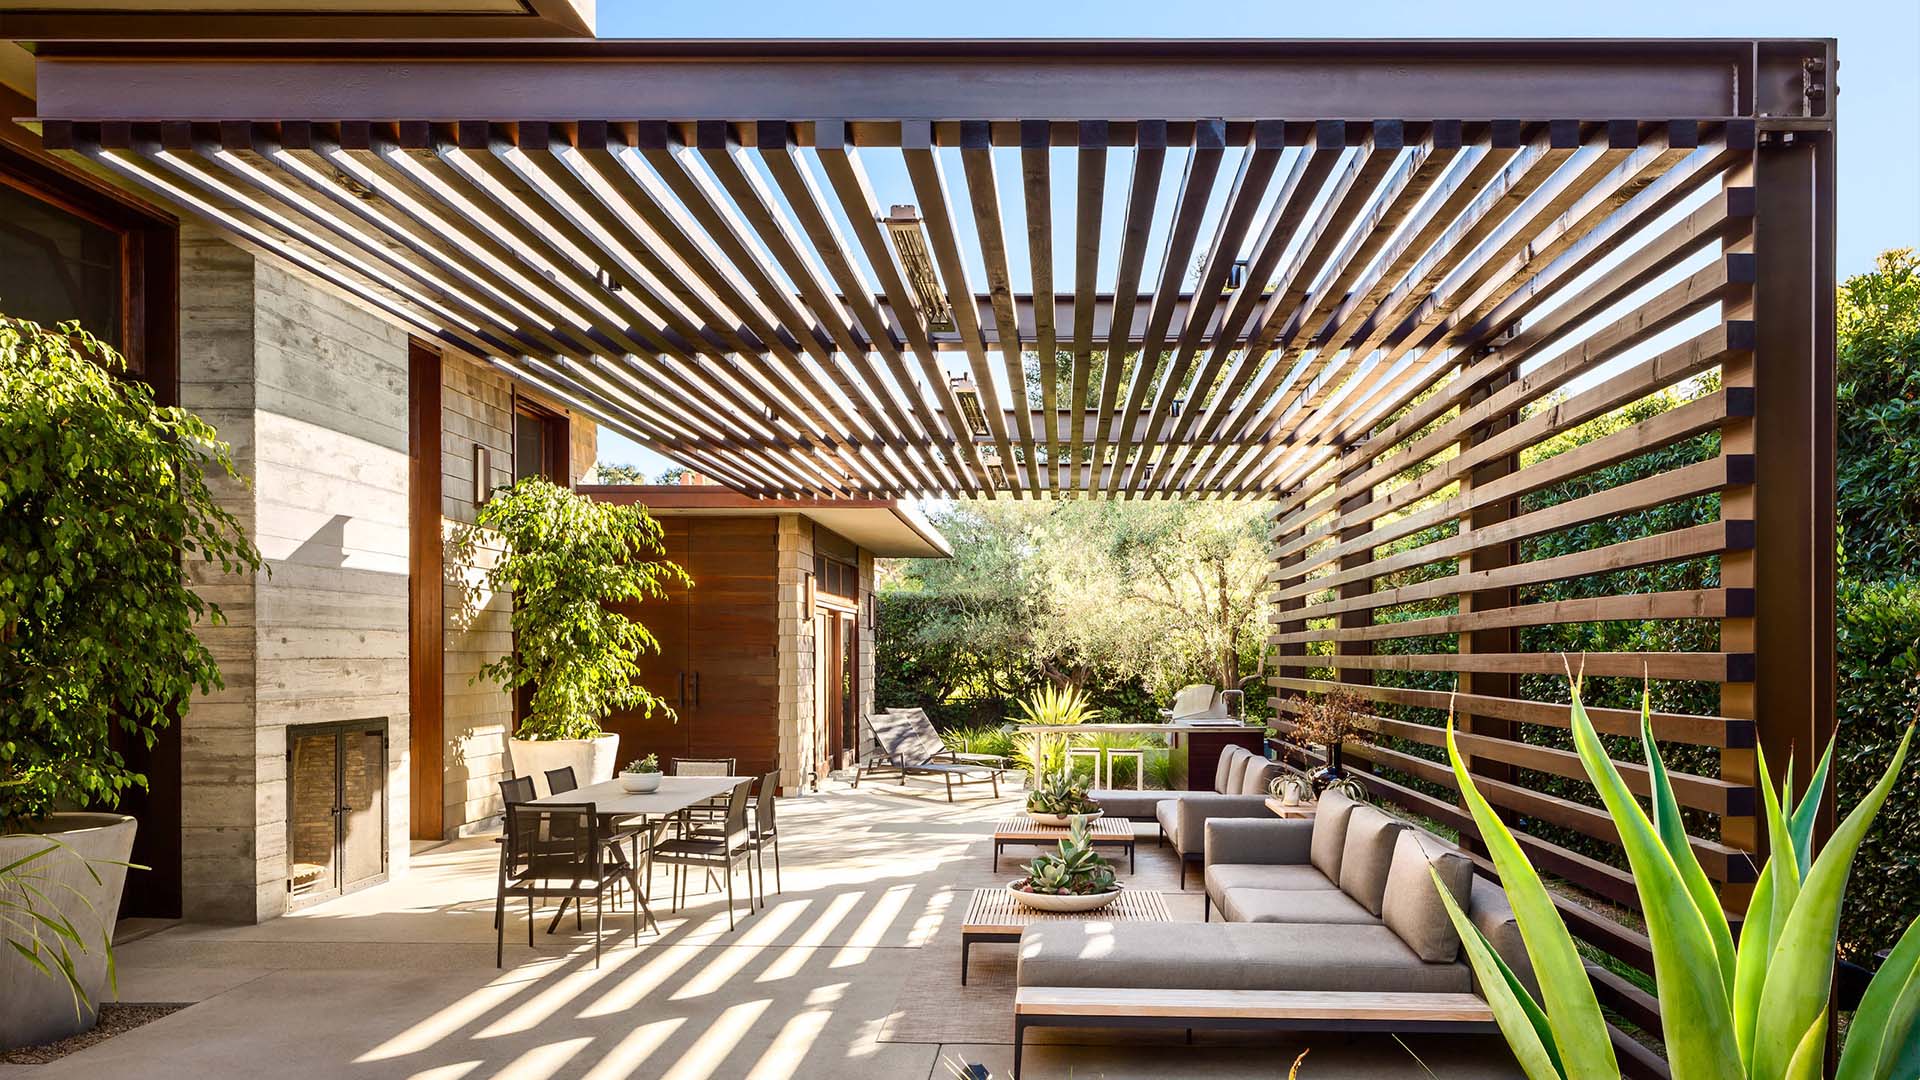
x: 1755, y: 1011
x: 1060, y: 795
x: 1043, y: 753
x: 1076, y: 870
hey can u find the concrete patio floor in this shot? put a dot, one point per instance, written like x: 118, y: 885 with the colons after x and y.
x: 398, y: 980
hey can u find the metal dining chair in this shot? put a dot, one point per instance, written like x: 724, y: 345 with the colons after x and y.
x: 558, y: 850
x: 518, y: 789
x: 764, y: 832
x: 720, y: 849
x: 561, y: 780
x: 711, y: 809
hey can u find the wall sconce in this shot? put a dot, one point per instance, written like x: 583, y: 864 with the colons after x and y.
x: 873, y: 611
x: 482, y: 474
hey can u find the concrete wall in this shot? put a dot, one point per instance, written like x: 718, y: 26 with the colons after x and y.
x: 312, y: 393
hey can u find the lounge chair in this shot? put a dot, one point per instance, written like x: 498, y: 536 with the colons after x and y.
x: 908, y: 749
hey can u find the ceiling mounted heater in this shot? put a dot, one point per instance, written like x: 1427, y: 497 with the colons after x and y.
x: 990, y: 457
x: 910, y: 245
x: 970, y: 408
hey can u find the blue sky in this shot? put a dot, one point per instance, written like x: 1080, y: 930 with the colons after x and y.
x: 1879, y: 76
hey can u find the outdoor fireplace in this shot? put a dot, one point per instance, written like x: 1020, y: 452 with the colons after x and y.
x: 336, y: 808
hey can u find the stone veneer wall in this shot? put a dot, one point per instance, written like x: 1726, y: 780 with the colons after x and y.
x: 311, y: 391
x: 798, y: 656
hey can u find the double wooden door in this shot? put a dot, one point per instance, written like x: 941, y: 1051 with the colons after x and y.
x: 718, y: 663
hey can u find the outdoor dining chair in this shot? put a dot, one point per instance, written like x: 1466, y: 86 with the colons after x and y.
x: 561, y: 780
x: 710, y: 809
x: 722, y: 847
x: 558, y: 850
x: 766, y: 833
x: 518, y: 789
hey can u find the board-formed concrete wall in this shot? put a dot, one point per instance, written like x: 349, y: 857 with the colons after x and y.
x: 311, y: 391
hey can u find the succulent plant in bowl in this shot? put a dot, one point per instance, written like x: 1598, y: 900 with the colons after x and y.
x: 641, y: 776
x: 1076, y: 878
x: 1058, y: 799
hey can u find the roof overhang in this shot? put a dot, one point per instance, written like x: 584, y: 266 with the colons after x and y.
x: 683, y: 240
x: 886, y: 527
x: 263, y: 20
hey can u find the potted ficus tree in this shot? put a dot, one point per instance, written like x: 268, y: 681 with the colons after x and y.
x: 567, y: 561
x: 103, y: 499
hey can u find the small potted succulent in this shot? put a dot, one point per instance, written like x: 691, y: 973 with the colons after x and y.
x: 1075, y: 879
x: 642, y: 776
x: 1058, y: 799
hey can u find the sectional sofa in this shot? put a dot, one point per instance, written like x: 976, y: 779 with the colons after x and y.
x: 1328, y: 924
x: 1239, y: 791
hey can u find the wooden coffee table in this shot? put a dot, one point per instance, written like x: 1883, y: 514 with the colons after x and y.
x: 1020, y: 829
x: 994, y: 915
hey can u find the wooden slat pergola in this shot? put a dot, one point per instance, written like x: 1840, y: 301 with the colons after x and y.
x: 1418, y: 294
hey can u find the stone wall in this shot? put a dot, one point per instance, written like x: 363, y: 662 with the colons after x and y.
x: 312, y: 393
x: 798, y: 657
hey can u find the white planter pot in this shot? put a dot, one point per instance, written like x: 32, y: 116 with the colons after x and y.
x: 1061, y: 821
x: 37, y: 1008
x: 592, y: 759
x: 639, y: 783
x: 1052, y: 902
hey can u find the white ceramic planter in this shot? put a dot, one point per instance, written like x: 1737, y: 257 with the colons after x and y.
x: 592, y: 759
x: 1061, y: 821
x: 1052, y: 902
x: 639, y: 783
x: 37, y: 1008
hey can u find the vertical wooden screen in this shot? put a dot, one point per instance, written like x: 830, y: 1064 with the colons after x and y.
x: 1626, y: 459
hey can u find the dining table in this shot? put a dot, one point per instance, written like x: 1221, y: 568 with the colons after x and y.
x: 611, y: 802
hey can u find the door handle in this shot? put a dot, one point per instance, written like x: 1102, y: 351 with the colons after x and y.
x: 696, y: 689
x: 683, y: 690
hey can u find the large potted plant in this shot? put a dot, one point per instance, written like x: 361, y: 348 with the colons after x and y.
x: 103, y: 494
x: 567, y: 561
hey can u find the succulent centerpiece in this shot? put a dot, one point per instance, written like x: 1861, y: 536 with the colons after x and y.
x: 1077, y: 878
x: 1058, y: 799
x: 641, y: 776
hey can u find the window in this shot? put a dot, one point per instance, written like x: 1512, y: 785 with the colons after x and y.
x: 539, y: 444
x: 56, y: 266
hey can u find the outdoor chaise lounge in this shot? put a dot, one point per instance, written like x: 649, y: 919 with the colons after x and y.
x: 1333, y: 924
x: 907, y: 746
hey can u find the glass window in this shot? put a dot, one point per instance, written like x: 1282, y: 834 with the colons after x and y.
x: 56, y: 266
x: 529, y: 446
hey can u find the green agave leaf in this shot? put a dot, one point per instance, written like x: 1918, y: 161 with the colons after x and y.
x: 1800, y: 974
x: 1750, y: 965
x: 1528, y: 1032
x: 1695, y: 1003
x: 1785, y: 871
x: 1883, y: 1042
x: 1801, y: 820
x: 1579, y: 1028
x: 1811, y: 1055
x: 1672, y: 830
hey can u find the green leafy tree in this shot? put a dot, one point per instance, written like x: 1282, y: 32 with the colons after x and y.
x: 103, y: 494
x: 608, y: 472
x: 1878, y: 317
x: 568, y: 561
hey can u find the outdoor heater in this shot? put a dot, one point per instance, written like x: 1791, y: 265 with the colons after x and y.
x: 910, y: 244
x: 971, y: 409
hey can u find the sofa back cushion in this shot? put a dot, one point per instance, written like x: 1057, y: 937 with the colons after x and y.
x: 1490, y: 912
x: 1330, y: 833
x: 1259, y: 772
x: 1227, y: 758
x: 1367, y: 855
x: 1412, y: 907
x: 1237, y: 770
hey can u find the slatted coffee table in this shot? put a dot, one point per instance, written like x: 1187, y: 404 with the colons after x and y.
x: 1020, y: 829
x: 994, y: 915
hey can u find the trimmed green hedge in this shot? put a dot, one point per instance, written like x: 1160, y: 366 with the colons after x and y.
x: 1879, y: 695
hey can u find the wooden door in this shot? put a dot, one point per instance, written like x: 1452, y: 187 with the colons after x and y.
x: 830, y: 672
x: 733, y: 642
x: 665, y: 672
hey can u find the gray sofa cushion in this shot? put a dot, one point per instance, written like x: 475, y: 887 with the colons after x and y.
x: 1138, y: 805
x: 1325, y: 906
x: 1242, y: 761
x: 1229, y: 956
x: 1330, y: 832
x: 1259, y: 771
x: 1367, y: 855
x: 1222, y: 768
x: 1167, y: 813
x: 1185, y: 816
x: 1223, y: 878
x: 1490, y: 912
x: 1412, y: 907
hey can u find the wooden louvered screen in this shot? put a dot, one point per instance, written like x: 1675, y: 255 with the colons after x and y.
x: 1578, y: 480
